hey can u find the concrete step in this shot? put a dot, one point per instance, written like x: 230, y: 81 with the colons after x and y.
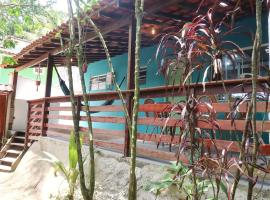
x: 20, y: 137
x: 17, y: 144
x: 8, y: 159
x: 5, y: 168
x: 14, y: 151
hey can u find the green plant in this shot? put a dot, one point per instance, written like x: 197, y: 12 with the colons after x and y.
x: 71, y: 172
x: 180, y: 176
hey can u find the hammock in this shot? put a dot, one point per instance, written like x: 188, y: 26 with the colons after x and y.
x: 66, y: 91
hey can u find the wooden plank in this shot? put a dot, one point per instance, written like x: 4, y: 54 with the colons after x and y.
x: 218, y: 107
x: 161, y: 155
x: 63, y: 108
x: 152, y: 121
x: 33, y: 62
x: 36, y: 109
x: 33, y: 131
x: 239, y: 125
x: 158, y: 138
x: 264, y: 149
x: 161, y: 91
x: 108, y: 145
x: 35, y: 124
x: 38, y: 116
x: 110, y: 108
x: 118, y: 120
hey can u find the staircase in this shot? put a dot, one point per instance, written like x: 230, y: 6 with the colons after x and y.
x: 12, y: 152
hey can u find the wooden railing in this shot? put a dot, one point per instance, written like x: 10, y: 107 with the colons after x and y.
x: 48, y: 116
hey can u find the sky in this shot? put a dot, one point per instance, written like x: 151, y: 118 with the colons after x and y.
x: 61, y: 5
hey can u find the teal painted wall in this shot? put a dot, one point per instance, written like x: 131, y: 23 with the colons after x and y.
x: 247, y: 27
x: 120, y: 65
x: 4, y: 75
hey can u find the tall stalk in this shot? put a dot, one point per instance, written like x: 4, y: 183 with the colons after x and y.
x: 255, y: 64
x: 242, y: 151
x: 111, y: 68
x: 132, y: 193
x: 80, y: 59
x: 75, y: 115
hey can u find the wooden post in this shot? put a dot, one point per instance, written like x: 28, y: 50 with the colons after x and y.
x: 44, y: 118
x: 48, y: 90
x: 130, y: 79
x: 48, y: 85
x: 27, y: 126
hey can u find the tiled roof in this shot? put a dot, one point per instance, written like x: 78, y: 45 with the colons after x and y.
x: 113, y: 19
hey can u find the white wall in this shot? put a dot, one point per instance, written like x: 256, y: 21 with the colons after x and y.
x: 27, y: 90
x: 20, y: 115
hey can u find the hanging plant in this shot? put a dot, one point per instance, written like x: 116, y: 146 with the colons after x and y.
x: 38, y: 79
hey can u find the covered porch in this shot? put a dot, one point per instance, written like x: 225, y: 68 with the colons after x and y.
x: 50, y: 116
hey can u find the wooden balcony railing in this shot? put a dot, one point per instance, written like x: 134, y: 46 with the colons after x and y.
x: 52, y: 117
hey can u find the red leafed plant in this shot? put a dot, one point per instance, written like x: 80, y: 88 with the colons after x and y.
x: 200, y: 44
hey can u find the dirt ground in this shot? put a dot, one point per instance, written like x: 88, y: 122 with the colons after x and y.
x: 34, y: 179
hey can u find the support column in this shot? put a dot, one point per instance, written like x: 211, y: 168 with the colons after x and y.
x: 130, y: 79
x: 48, y: 85
x: 48, y: 88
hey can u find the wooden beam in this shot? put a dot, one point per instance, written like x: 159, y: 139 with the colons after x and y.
x: 33, y: 62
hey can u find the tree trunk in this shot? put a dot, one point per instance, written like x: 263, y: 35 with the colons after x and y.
x: 75, y: 113
x: 255, y: 65
x: 86, y: 101
x: 132, y: 193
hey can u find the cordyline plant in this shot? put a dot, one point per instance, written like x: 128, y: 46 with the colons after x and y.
x: 199, y: 45
x: 198, y: 42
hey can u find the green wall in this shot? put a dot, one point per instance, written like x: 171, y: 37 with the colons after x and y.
x: 26, y: 73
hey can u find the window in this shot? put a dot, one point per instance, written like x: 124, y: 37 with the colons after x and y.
x: 142, y: 74
x: 242, y: 68
x: 101, y: 82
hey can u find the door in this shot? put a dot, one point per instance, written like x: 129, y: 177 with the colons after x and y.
x: 3, y: 113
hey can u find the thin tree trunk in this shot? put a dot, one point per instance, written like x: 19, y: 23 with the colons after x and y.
x: 109, y: 60
x: 132, y: 193
x: 255, y: 64
x: 86, y: 101
x: 242, y: 152
x: 75, y: 115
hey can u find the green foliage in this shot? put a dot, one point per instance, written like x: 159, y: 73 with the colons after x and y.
x: 7, y: 60
x: 27, y: 19
x: 71, y: 172
x: 178, y: 175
